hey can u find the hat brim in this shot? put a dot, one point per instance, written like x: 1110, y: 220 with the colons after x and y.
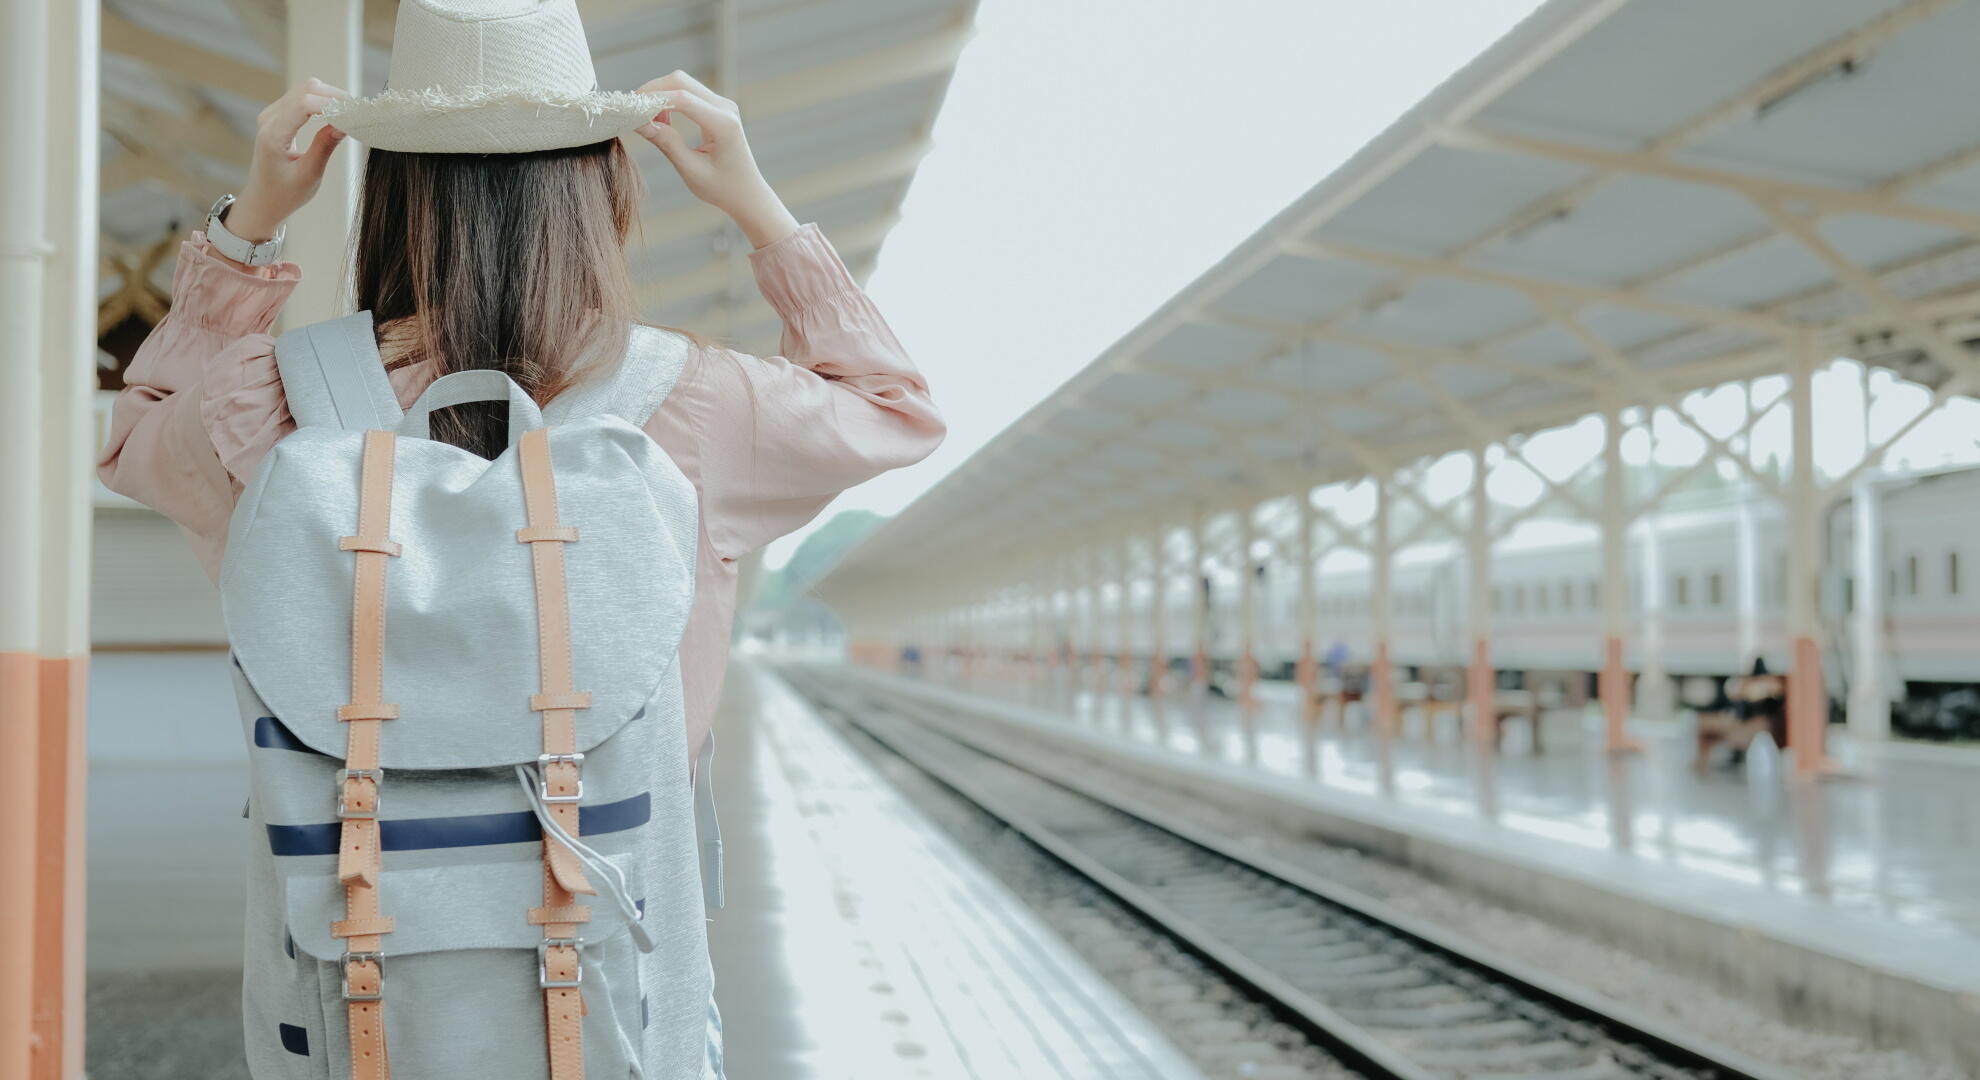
x: 500, y: 120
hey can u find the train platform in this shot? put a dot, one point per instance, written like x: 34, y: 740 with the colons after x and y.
x: 1850, y: 905
x: 857, y: 940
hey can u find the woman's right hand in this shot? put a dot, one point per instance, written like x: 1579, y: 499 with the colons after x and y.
x: 280, y: 178
x: 720, y: 170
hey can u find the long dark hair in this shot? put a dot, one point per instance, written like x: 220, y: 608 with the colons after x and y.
x: 504, y: 261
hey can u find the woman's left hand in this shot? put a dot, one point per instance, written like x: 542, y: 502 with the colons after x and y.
x: 720, y: 170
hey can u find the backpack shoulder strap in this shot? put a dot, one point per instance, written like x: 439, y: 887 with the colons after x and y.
x: 633, y: 389
x: 332, y: 375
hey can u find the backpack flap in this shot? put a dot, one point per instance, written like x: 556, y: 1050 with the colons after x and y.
x: 461, y: 655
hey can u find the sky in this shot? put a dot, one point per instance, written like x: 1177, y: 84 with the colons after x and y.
x: 1095, y: 156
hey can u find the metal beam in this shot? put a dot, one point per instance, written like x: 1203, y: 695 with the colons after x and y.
x: 1645, y: 164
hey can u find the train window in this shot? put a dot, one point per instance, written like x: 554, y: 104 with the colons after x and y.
x: 1715, y: 589
x: 1680, y: 591
x: 1594, y: 594
x: 1540, y: 596
x: 1496, y: 598
x: 1911, y: 575
x: 1849, y: 594
x: 1519, y: 598
x: 1952, y: 573
x: 1567, y: 596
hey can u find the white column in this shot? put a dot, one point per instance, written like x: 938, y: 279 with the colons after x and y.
x: 325, y: 41
x: 1747, y: 578
x: 68, y: 481
x: 1247, y: 661
x: 1124, y: 642
x: 1158, y: 613
x: 1308, y: 606
x: 1614, y: 678
x: 1653, y: 690
x: 24, y: 257
x: 1381, y: 675
x: 1199, y: 605
x: 1480, y: 690
x: 1870, y: 688
x: 1808, y: 704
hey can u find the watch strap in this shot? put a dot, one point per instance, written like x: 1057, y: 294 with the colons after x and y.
x: 234, y: 247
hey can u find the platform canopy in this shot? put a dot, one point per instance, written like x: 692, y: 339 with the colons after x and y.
x: 839, y: 96
x: 1619, y: 202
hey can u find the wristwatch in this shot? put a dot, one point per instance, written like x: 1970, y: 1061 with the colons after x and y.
x: 234, y: 247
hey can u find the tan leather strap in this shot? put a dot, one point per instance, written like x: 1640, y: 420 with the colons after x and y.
x: 358, y: 857
x: 561, y: 967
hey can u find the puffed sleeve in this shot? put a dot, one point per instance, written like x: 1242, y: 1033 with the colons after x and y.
x: 780, y: 436
x: 202, y: 401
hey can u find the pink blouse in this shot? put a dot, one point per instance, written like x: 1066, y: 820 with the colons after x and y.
x: 766, y: 441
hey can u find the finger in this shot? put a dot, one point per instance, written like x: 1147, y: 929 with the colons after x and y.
x: 282, y: 120
x: 681, y: 80
x: 704, y: 114
x: 322, y: 146
x: 663, y: 135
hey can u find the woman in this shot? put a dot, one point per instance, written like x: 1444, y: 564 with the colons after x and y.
x: 515, y: 259
x: 767, y: 441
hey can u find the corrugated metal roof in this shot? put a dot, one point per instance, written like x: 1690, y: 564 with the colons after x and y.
x: 1621, y: 199
x: 838, y: 95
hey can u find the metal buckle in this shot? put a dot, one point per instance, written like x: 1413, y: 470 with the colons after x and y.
x: 543, y: 962
x: 376, y: 958
x: 543, y: 763
x: 377, y: 778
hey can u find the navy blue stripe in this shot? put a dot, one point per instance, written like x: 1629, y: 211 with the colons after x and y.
x: 272, y: 734
x: 289, y: 944
x: 294, y: 1039
x: 416, y: 834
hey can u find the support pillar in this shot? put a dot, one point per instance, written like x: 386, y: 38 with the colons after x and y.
x: 49, y: 130
x: 1041, y: 632
x: 1808, y: 699
x: 1307, y: 675
x: 1381, y: 676
x: 1124, y: 654
x: 1247, y: 609
x: 1158, y: 616
x: 1199, y: 591
x: 1613, y: 682
x: 1480, y: 691
x: 1869, y: 689
x: 1653, y: 688
x: 1747, y: 554
x: 1091, y: 676
x: 325, y: 41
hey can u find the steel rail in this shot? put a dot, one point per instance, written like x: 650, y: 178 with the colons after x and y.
x: 1356, y: 1045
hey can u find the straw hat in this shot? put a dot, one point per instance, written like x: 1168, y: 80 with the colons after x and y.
x: 490, y: 77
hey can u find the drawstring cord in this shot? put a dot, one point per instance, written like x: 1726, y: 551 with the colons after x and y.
x: 614, y: 878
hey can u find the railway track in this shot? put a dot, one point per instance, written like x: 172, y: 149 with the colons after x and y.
x: 1389, y: 995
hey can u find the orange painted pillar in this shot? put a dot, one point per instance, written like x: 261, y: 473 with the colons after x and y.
x: 1808, y: 711
x: 1382, y: 691
x: 1481, y: 693
x: 49, y: 131
x: 1613, y: 688
x: 1306, y: 675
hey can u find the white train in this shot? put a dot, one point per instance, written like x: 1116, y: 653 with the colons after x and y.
x: 1547, y: 613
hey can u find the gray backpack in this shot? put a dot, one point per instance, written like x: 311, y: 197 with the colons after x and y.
x: 473, y: 832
